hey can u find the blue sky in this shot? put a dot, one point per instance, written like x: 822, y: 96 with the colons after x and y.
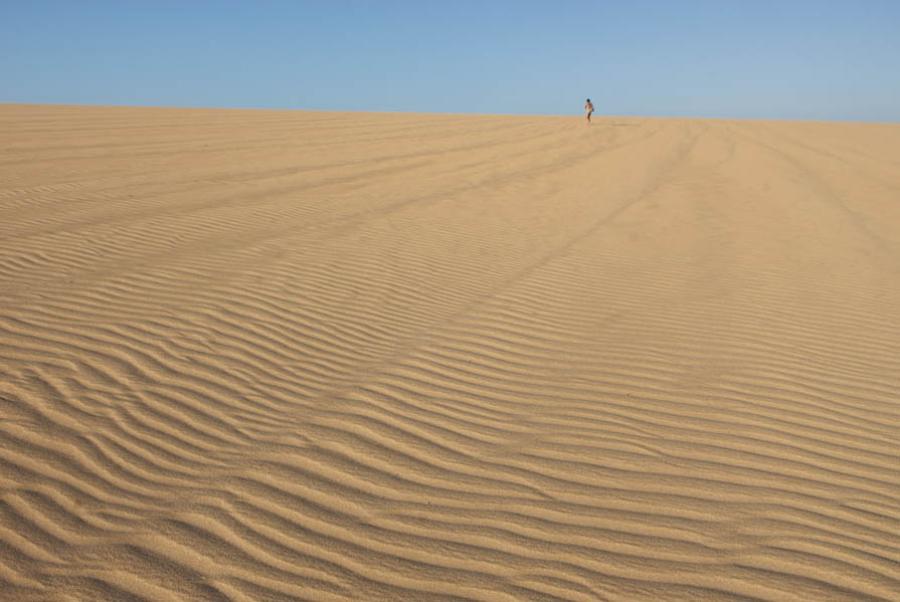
x: 791, y: 59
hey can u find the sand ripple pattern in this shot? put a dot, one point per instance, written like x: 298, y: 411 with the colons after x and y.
x: 263, y: 355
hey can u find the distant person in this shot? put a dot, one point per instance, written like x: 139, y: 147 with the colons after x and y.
x: 588, y: 109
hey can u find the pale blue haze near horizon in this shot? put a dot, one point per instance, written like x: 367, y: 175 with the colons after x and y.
x: 799, y: 59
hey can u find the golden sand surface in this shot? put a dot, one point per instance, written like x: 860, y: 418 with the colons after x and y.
x: 281, y: 355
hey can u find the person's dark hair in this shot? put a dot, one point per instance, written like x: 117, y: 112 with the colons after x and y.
x: 588, y: 100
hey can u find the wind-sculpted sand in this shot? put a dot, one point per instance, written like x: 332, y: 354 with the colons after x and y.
x: 263, y: 355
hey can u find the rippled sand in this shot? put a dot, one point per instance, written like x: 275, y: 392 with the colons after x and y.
x: 263, y: 355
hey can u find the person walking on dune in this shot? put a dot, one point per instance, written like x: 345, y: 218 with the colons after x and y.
x: 588, y: 109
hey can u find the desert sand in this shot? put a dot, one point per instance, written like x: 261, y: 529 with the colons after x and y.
x: 283, y: 355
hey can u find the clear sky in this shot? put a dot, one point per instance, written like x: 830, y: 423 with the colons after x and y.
x: 792, y: 59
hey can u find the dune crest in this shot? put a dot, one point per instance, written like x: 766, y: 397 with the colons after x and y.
x: 275, y: 355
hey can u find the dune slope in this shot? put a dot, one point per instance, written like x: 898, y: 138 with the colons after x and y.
x: 273, y: 355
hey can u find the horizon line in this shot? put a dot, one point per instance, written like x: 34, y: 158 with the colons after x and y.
x: 440, y: 113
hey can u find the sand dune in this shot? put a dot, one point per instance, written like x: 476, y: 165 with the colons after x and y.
x: 263, y: 355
